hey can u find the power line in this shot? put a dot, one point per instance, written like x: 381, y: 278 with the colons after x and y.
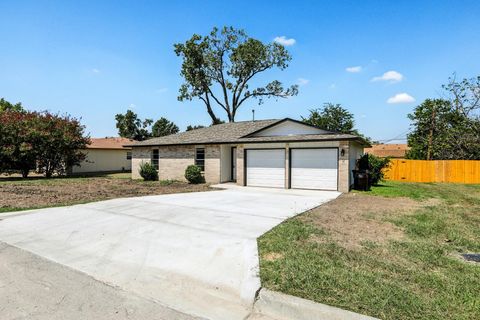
x: 397, y: 137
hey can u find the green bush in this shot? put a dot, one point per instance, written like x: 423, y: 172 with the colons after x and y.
x: 375, y: 165
x: 148, y: 172
x: 193, y: 174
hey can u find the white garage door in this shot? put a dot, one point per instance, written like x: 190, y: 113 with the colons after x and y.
x: 314, y: 169
x: 266, y: 168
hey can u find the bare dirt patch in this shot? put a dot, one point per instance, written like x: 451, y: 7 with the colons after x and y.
x: 354, y: 219
x: 57, y: 192
x: 272, y: 256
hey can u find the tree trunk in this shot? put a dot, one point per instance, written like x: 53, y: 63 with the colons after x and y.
x: 430, y: 136
x: 25, y: 173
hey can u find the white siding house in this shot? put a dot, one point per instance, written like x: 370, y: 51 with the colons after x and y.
x: 106, y: 155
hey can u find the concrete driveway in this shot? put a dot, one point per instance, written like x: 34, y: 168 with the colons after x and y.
x: 193, y: 252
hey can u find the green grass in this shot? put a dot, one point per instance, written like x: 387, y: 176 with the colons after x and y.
x: 422, y: 191
x: 419, y: 277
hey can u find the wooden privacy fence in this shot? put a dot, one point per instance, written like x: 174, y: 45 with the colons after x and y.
x: 459, y: 171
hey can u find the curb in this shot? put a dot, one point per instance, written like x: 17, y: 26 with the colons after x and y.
x: 279, y: 306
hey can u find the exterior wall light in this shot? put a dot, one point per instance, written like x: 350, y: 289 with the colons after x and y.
x: 342, y: 152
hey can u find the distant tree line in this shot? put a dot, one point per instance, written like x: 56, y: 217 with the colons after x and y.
x: 130, y: 126
x: 43, y: 141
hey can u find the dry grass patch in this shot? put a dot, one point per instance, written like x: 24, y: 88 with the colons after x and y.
x: 354, y: 219
x: 41, y: 192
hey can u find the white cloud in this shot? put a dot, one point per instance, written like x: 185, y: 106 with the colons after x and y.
x: 302, y: 81
x: 401, y: 98
x: 132, y: 106
x: 355, y: 69
x: 285, y: 41
x: 332, y: 86
x: 391, y: 76
x: 95, y: 70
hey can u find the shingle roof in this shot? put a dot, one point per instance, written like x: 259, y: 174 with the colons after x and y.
x: 389, y: 150
x: 109, y: 143
x: 237, y: 132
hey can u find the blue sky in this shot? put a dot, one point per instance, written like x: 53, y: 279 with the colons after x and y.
x: 93, y: 59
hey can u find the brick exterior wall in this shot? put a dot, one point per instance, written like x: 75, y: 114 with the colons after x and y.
x: 173, y: 160
x: 240, y: 168
x: 139, y: 155
x: 212, y: 163
x: 343, y: 167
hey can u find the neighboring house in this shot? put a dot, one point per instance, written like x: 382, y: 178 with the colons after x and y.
x: 106, y: 155
x: 267, y: 153
x: 397, y: 151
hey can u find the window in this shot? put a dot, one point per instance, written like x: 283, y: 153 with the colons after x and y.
x: 129, y: 155
x: 200, y: 158
x: 155, y: 158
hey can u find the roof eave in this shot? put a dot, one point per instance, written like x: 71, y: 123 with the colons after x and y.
x: 243, y: 141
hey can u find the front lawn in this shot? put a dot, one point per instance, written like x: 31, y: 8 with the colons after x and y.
x: 391, y: 253
x: 39, y: 192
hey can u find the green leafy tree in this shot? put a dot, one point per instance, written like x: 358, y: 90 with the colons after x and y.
x: 164, y: 127
x: 48, y: 141
x: 219, y: 68
x: 59, y: 141
x: 130, y: 126
x: 441, y: 131
x: 332, y: 117
x: 17, y: 153
x: 5, y: 105
x: 190, y: 127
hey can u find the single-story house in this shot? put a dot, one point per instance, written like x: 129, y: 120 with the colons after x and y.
x: 106, y: 155
x: 397, y: 151
x: 281, y: 153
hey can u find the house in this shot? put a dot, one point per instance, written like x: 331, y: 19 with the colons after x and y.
x: 280, y: 153
x: 106, y: 155
x: 397, y: 151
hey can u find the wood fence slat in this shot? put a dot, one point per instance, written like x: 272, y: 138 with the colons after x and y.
x: 455, y: 171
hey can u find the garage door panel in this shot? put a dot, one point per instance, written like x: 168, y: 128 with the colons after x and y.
x: 266, y: 168
x: 314, y: 169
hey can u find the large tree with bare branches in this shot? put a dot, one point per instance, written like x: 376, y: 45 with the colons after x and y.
x: 218, y: 69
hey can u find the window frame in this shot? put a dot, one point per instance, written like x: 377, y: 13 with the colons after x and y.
x: 129, y: 155
x: 200, y: 162
x: 154, y: 160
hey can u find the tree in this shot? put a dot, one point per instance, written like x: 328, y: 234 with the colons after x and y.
x: 59, y: 141
x: 190, y: 127
x: 332, y: 117
x: 219, y: 68
x: 5, y: 105
x: 164, y: 127
x: 16, y: 142
x: 48, y: 141
x: 130, y: 126
x: 442, y: 131
x: 464, y: 95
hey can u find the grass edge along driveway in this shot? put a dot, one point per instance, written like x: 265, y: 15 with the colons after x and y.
x: 415, y: 276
